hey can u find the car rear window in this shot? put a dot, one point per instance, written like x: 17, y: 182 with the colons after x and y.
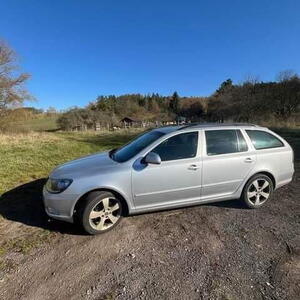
x: 263, y: 140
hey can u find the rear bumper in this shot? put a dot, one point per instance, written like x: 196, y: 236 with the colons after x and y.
x: 284, y: 182
x: 286, y: 178
x: 59, y: 206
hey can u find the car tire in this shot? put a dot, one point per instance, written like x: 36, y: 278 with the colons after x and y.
x: 102, y: 212
x: 257, y: 191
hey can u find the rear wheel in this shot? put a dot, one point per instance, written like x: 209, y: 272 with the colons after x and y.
x: 257, y: 191
x: 102, y: 212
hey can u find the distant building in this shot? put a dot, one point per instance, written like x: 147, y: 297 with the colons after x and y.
x: 129, y: 122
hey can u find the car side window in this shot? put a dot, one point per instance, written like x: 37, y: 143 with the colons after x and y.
x: 225, y: 142
x: 263, y: 140
x: 180, y: 146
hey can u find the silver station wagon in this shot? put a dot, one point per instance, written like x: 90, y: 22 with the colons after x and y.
x: 170, y: 167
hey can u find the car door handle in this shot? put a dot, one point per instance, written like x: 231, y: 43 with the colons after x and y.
x: 193, y: 167
x: 248, y: 160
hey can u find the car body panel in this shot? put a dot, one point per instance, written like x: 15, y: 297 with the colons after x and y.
x: 224, y: 174
x: 172, y: 181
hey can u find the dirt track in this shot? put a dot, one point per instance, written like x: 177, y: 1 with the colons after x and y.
x: 220, y: 251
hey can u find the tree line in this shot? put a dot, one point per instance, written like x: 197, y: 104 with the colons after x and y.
x: 250, y: 101
x: 153, y: 108
x: 254, y: 100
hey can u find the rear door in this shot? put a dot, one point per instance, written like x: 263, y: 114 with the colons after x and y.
x: 227, y: 160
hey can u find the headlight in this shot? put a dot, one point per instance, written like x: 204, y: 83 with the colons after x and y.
x: 56, y: 186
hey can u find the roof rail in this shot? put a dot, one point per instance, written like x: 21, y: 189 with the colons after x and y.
x: 216, y: 125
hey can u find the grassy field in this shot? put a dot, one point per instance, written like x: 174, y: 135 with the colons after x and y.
x: 27, y: 157
x: 38, y: 124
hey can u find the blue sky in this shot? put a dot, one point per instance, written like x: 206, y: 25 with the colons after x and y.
x: 76, y: 49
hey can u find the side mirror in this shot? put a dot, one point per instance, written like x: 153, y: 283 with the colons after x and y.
x: 152, y: 158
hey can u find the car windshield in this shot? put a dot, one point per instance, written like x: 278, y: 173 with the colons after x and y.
x: 133, y: 148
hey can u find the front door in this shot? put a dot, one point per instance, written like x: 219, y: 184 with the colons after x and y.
x: 176, y: 179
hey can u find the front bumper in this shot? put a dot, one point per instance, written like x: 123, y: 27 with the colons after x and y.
x: 59, y: 206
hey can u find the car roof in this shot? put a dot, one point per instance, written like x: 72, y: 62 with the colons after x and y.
x: 168, y: 129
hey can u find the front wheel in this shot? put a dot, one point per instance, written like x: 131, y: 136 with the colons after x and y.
x: 257, y: 191
x: 102, y: 212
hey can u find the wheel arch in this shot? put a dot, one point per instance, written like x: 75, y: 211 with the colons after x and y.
x: 271, y: 176
x: 264, y: 172
x: 82, y: 199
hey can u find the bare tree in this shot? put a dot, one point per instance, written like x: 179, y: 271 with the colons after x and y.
x: 251, y: 79
x: 12, y: 90
x: 285, y: 75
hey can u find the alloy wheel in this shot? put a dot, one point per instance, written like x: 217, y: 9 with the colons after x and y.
x: 259, y: 191
x: 105, y: 214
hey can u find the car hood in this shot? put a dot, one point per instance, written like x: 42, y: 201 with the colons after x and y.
x: 84, y: 166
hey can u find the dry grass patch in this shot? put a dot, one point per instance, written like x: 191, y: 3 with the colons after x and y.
x: 32, y: 137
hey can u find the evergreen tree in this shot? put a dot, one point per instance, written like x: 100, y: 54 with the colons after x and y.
x: 175, y: 103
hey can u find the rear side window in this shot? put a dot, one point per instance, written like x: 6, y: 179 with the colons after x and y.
x: 263, y: 140
x: 179, y: 146
x: 224, y: 142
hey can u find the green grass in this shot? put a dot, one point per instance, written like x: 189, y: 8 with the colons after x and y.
x: 39, y: 124
x: 24, y: 158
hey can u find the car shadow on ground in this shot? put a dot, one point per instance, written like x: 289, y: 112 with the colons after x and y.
x: 235, y: 204
x: 24, y: 204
